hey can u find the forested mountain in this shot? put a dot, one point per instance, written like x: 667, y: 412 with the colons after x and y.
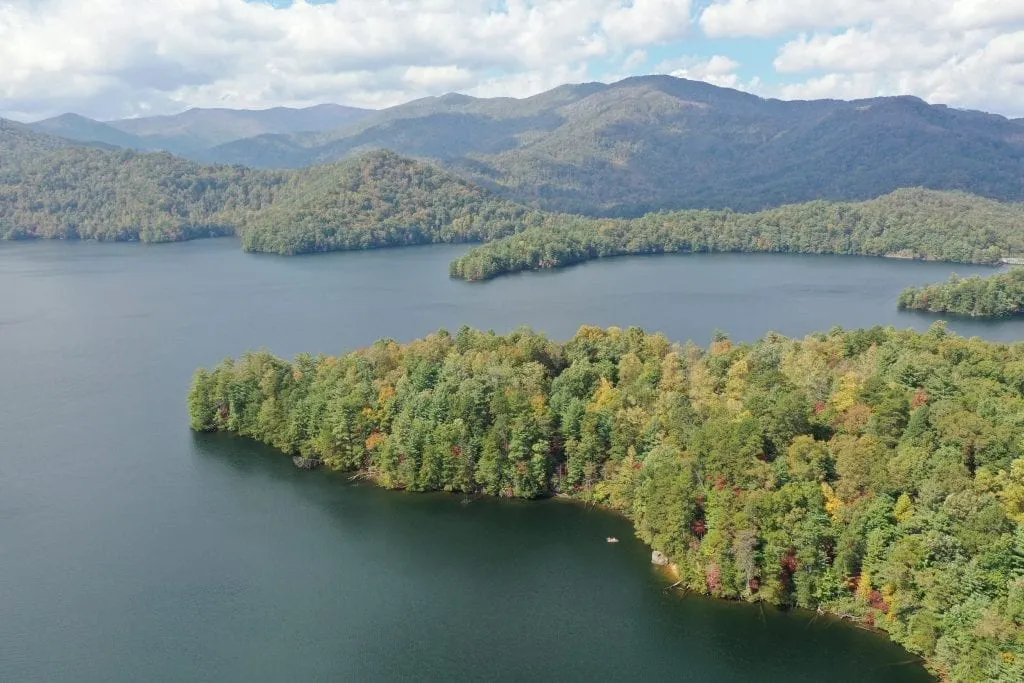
x: 873, y: 474
x: 660, y: 142
x: 192, y: 131
x: 52, y: 189
x: 18, y: 142
x: 379, y: 200
x: 909, y: 223
x: 82, y: 129
x: 200, y: 128
x: 990, y: 297
x: 76, y: 192
x: 621, y: 149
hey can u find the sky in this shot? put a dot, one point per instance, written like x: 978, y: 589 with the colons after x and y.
x: 112, y: 59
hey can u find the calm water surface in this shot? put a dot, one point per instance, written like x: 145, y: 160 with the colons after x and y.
x: 132, y: 550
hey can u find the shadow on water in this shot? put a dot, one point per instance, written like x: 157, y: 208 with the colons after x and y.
x: 543, y: 571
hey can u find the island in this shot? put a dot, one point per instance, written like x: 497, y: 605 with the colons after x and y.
x: 990, y: 297
x: 875, y: 474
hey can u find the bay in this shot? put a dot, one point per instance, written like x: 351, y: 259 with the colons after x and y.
x: 131, y: 549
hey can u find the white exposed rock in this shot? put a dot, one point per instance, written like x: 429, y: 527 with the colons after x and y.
x: 659, y: 558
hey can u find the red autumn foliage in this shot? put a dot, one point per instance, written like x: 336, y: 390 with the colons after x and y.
x: 789, y: 562
x: 754, y: 585
x: 789, y: 565
x: 699, y: 527
x: 713, y: 574
x: 819, y: 408
x: 920, y: 398
x: 878, y: 602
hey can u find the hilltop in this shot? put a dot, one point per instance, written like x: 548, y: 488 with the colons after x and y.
x: 195, y: 130
x: 50, y: 188
x: 622, y: 149
x: 659, y: 142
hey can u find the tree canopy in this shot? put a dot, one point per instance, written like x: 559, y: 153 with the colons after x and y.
x: 379, y: 200
x: 991, y: 297
x: 911, y: 223
x: 874, y: 474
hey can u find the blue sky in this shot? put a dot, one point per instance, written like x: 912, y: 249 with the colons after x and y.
x: 116, y: 58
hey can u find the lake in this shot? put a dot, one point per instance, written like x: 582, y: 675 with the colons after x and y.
x: 131, y: 549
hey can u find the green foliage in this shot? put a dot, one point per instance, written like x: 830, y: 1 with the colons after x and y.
x: 657, y: 142
x: 53, y: 190
x: 379, y: 200
x: 914, y: 223
x: 875, y: 474
x: 50, y: 189
x: 57, y: 191
x: 990, y: 297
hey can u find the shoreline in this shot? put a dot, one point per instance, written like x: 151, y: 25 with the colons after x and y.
x: 670, y: 572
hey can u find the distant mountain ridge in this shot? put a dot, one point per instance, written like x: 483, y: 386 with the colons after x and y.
x: 194, y: 130
x: 659, y: 142
x: 81, y: 129
x: 643, y: 144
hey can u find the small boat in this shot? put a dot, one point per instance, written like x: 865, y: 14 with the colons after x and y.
x: 612, y: 539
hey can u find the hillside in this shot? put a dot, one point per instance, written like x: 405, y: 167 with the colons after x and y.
x: 379, y: 200
x: 660, y: 142
x: 82, y: 129
x: 191, y: 132
x: 201, y: 128
x: 51, y: 189
x: 909, y: 223
x: 622, y: 149
x: 989, y: 297
x: 18, y: 142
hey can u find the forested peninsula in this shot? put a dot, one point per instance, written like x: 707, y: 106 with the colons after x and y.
x: 911, y: 223
x: 874, y: 474
x: 990, y: 297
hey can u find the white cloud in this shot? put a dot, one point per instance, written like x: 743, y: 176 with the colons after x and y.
x: 636, y: 59
x: 717, y: 70
x: 529, y: 82
x: 116, y: 57
x: 111, y: 58
x: 967, y: 53
x: 765, y: 18
x: 648, y: 21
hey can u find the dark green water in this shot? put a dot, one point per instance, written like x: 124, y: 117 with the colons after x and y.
x: 131, y: 550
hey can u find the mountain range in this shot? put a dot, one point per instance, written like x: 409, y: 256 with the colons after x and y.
x: 195, y: 130
x: 620, y: 149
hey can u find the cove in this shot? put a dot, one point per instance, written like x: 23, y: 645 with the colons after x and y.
x: 134, y: 550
